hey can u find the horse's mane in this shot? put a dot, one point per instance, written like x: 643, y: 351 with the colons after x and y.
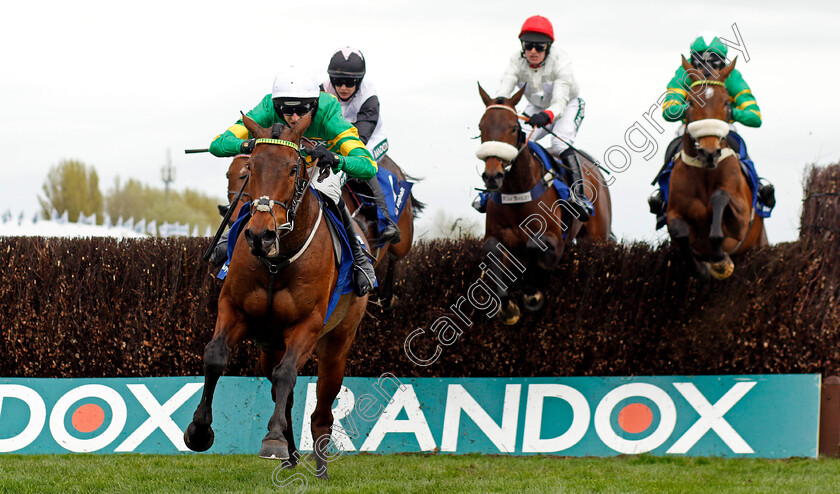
x: 499, y: 101
x: 277, y: 130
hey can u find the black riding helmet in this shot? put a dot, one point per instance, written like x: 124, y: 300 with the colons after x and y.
x: 347, y: 67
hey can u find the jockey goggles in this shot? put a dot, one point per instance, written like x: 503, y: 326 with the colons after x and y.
x: 293, y: 107
x: 711, y: 59
x: 532, y: 45
x: 344, y: 81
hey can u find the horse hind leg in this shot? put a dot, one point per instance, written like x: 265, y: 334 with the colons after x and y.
x: 721, y: 265
x: 386, y: 294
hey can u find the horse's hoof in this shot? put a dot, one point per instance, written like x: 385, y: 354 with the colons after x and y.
x: 722, y: 269
x: 199, y: 438
x: 510, y: 315
x: 533, y: 302
x: 273, y: 449
x: 703, y: 271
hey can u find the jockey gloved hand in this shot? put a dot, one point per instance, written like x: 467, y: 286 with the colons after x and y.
x: 326, y: 160
x: 541, y: 119
x: 247, y: 147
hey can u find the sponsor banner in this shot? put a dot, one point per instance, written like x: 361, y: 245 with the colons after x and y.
x: 768, y: 416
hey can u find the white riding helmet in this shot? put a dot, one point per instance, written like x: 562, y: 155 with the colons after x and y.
x: 292, y: 82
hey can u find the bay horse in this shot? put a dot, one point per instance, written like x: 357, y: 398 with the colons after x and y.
x: 710, y: 213
x: 237, y: 174
x: 277, y: 292
x: 395, y: 252
x: 511, y: 169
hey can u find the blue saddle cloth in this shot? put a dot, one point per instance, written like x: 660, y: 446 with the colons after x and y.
x: 747, y: 167
x: 396, y: 193
x: 344, y: 283
x: 560, y: 183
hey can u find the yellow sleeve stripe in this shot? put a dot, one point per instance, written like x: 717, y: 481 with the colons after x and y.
x: 670, y: 103
x: 746, y: 104
x: 239, y: 131
x: 756, y: 112
x: 745, y: 91
x: 678, y: 91
x: 350, y: 132
x: 350, y: 145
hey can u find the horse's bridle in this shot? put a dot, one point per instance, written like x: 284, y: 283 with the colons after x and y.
x: 492, y: 149
x: 704, y: 128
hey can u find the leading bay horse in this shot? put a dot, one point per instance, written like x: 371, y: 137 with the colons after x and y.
x: 710, y: 212
x: 531, y: 219
x: 277, y: 292
x: 238, y: 172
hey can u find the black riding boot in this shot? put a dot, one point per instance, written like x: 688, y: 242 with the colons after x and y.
x: 219, y: 255
x: 578, y: 196
x: 767, y: 193
x: 363, y: 275
x: 391, y: 233
x: 656, y: 201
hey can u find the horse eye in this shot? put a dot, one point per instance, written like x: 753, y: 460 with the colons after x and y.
x: 293, y: 170
x: 227, y: 175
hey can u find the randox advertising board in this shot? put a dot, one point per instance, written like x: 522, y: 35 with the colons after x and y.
x: 767, y: 416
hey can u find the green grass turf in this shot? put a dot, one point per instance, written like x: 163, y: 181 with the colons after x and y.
x: 417, y: 473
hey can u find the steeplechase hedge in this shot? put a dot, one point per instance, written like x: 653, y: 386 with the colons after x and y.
x: 102, y: 307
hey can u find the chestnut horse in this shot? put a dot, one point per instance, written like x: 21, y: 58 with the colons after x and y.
x: 277, y: 292
x: 395, y: 252
x: 540, y: 228
x: 710, y: 213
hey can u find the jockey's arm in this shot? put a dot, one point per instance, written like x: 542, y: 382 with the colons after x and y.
x: 560, y: 92
x: 509, y: 79
x: 343, y: 139
x: 228, y: 142
x: 744, y: 107
x: 675, y: 106
x: 367, y: 118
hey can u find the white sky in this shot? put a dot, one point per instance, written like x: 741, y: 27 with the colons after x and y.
x: 117, y: 84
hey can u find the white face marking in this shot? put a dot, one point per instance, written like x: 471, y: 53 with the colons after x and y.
x: 709, y: 93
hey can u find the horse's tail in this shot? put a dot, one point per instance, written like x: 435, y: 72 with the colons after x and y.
x: 416, y: 206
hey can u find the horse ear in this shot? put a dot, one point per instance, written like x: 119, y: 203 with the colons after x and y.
x: 254, y: 128
x: 516, y: 97
x: 484, y: 96
x: 686, y: 64
x: 301, y: 126
x: 724, y: 72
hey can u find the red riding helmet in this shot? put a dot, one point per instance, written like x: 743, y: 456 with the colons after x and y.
x: 537, y: 29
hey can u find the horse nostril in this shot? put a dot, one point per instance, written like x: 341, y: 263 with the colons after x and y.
x: 485, y: 176
x: 499, y: 176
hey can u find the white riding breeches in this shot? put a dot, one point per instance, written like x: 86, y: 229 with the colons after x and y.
x: 565, y: 127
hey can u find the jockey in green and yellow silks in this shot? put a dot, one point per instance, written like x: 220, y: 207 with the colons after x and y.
x: 293, y: 95
x: 708, y: 53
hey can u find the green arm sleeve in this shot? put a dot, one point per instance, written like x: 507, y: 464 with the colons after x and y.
x: 228, y: 142
x: 343, y: 139
x: 744, y: 107
x: 675, y: 106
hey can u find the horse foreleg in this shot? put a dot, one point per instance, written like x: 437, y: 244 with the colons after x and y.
x: 721, y: 266
x: 299, y: 346
x: 268, y: 360
x: 509, y: 312
x: 680, y: 234
x: 230, y: 330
